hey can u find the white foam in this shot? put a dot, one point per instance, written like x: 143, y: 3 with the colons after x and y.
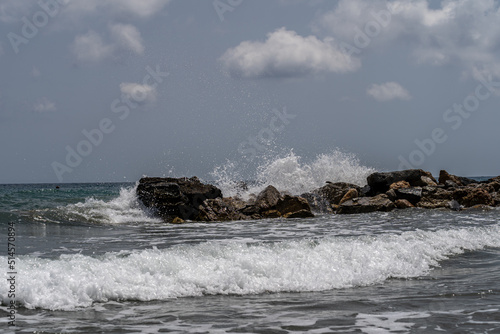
x: 290, y: 173
x: 74, y: 281
x: 123, y: 209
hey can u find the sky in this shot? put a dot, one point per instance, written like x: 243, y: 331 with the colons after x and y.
x: 109, y: 91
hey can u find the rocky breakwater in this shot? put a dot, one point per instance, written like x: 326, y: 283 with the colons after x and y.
x: 179, y: 199
x: 418, y: 188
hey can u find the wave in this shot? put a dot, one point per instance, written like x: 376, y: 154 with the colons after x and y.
x: 122, y: 209
x: 290, y: 173
x: 77, y: 281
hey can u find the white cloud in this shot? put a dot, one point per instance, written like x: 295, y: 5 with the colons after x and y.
x: 143, y: 8
x: 128, y: 37
x: 286, y: 54
x: 388, y: 91
x: 137, y: 8
x: 91, y: 48
x: 44, y: 105
x: 141, y: 94
x: 462, y: 32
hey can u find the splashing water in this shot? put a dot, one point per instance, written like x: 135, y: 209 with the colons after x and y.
x: 290, y: 174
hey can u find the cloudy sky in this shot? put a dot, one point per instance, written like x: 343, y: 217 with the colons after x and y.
x: 94, y: 90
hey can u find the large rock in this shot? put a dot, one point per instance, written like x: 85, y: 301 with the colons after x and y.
x: 270, y: 203
x: 381, y: 182
x: 175, y: 197
x: 221, y: 209
x: 334, y: 192
x: 413, y: 195
x: 366, y: 204
x: 469, y: 197
x: 435, y: 197
x: 458, y: 180
x: 294, y: 207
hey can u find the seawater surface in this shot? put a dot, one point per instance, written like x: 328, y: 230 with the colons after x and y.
x: 91, y: 260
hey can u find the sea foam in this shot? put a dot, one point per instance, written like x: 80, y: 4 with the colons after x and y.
x: 75, y: 281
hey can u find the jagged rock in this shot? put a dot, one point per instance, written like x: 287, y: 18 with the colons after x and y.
x: 333, y: 192
x: 175, y: 197
x: 403, y: 204
x: 221, y: 209
x: 380, y: 182
x: 413, y: 195
x: 267, y: 198
x: 435, y: 197
x: 469, y: 197
x: 317, y: 203
x: 350, y: 194
x: 294, y: 207
x: 366, y: 204
x: 400, y: 184
x: 459, y: 180
x: 429, y: 181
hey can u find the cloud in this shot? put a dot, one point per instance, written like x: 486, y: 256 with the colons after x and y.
x: 35, y: 72
x: 141, y: 9
x: 128, y: 37
x: 44, y: 105
x: 286, y: 54
x: 2, y: 52
x: 464, y: 33
x: 141, y: 94
x: 91, y: 47
x: 388, y: 91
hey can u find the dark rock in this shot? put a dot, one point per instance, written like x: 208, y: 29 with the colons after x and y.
x: 221, y: 209
x: 450, y: 184
x: 267, y: 198
x: 413, y: 195
x: 435, y: 197
x: 380, y: 182
x: 399, y: 184
x: 294, y: 206
x: 472, y: 196
x: 317, y: 203
x: 459, y: 180
x: 454, y: 205
x: 366, y: 204
x: 172, y: 197
x: 334, y: 192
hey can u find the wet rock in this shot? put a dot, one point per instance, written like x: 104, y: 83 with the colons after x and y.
x: 381, y: 182
x: 175, y: 197
x: 294, y: 207
x: 267, y: 198
x: 366, y: 204
x: 435, y: 197
x: 454, y: 205
x: 220, y: 209
x: 317, y: 203
x: 428, y: 181
x: 350, y: 194
x: 334, y: 192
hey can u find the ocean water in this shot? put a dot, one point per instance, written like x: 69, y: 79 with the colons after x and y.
x: 89, y: 259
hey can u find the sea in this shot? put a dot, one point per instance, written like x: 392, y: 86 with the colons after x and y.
x: 88, y: 258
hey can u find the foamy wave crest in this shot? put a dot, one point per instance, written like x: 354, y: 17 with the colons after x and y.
x: 291, y: 174
x: 75, y: 281
x: 123, y: 209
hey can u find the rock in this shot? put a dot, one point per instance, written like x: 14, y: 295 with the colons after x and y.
x: 267, y: 198
x: 317, y: 203
x: 469, y: 197
x: 380, y: 182
x: 496, y: 198
x: 334, y: 192
x: 435, y: 197
x: 413, y: 195
x: 294, y: 206
x: 366, y: 204
x: 454, y: 205
x: 350, y: 194
x: 428, y: 181
x: 271, y: 214
x: 459, y: 180
x: 175, y: 197
x: 220, y: 209
x: 403, y: 204
x: 450, y: 184
x: 400, y: 184
x: 177, y: 220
